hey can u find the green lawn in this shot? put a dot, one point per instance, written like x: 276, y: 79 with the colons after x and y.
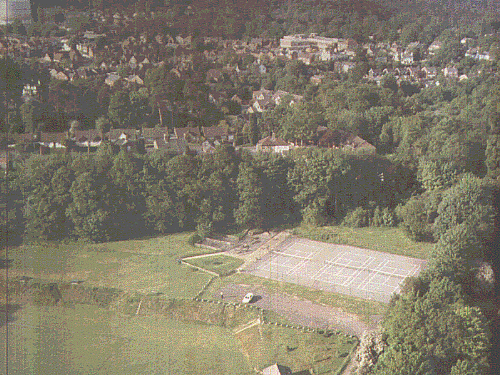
x: 389, y: 240
x: 89, y: 340
x: 297, y: 350
x: 220, y: 264
x: 136, y: 265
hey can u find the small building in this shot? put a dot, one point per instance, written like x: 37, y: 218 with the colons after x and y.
x: 277, y: 370
x: 342, y: 139
x: 88, y: 138
x: 188, y: 133
x: 273, y: 144
x: 213, y: 133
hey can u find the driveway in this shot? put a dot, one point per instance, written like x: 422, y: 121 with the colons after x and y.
x: 299, y: 311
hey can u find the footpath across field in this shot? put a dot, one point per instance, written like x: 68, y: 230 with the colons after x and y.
x: 342, y: 269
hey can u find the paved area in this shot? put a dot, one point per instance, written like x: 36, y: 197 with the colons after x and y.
x: 298, y: 311
x: 342, y: 269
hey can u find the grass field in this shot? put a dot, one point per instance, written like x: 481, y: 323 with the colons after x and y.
x: 138, y: 265
x: 267, y: 345
x: 220, y: 264
x: 89, y: 340
x: 389, y: 240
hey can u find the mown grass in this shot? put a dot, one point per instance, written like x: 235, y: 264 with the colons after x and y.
x: 300, y: 351
x: 363, y: 308
x: 220, y: 264
x: 137, y: 265
x: 89, y: 340
x: 389, y: 240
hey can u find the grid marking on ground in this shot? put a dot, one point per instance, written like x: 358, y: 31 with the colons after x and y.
x: 344, y: 269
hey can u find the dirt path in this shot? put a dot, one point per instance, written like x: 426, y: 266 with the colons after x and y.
x: 299, y: 311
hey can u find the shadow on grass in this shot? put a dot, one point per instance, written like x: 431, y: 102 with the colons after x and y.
x: 4, y: 263
x: 7, y: 312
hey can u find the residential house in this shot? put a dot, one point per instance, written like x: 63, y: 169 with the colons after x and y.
x: 317, y: 79
x: 88, y: 138
x: 342, y: 139
x: 52, y: 140
x: 434, y: 47
x: 450, y: 72
x: 430, y: 72
x: 30, y: 90
x: 170, y: 146
x: 262, y: 94
x: 119, y: 136
x: 187, y: 133
x: 135, y: 79
x: 217, y: 97
x: 306, y: 57
x: 272, y: 144
x: 415, y: 73
x: 59, y: 75
x: 279, y: 95
x: 407, y: 58
x: 150, y: 134
x: 132, y: 63
x: 219, y: 133
x: 207, y: 147
x: 111, y: 79
x: 75, y: 56
x: 345, y: 66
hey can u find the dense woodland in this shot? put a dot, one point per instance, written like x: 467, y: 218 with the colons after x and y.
x: 436, y: 173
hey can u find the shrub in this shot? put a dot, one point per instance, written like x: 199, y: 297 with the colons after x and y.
x: 46, y: 295
x: 413, y: 218
x: 378, y: 219
x: 388, y: 218
x: 194, y: 239
x: 357, y: 218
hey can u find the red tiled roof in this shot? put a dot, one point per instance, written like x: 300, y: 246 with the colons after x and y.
x: 272, y: 141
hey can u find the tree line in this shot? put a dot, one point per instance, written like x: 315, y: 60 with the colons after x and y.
x: 106, y: 196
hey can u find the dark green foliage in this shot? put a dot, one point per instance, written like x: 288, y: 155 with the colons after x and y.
x: 493, y: 155
x: 194, y: 239
x: 467, y: 202
x: 414, y: 220
x: 429, y: 333
x: 358, y: 218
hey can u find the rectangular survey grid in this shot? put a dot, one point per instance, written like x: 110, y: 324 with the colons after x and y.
x: 283, y: 264
x: 331, y: 274
x: 338, y: 268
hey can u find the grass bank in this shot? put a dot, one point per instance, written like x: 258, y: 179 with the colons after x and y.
x: 389, y: 240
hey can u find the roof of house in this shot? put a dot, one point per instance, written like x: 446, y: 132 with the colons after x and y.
x: 115, y: 134
x: 182, y: 132
x: 52, y: 136
x: 22, y: 138
x: 154, y: 133
x: 92, y: 135
x: 272, y: 141
x: 175, y: 146
x: 214, y: 131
